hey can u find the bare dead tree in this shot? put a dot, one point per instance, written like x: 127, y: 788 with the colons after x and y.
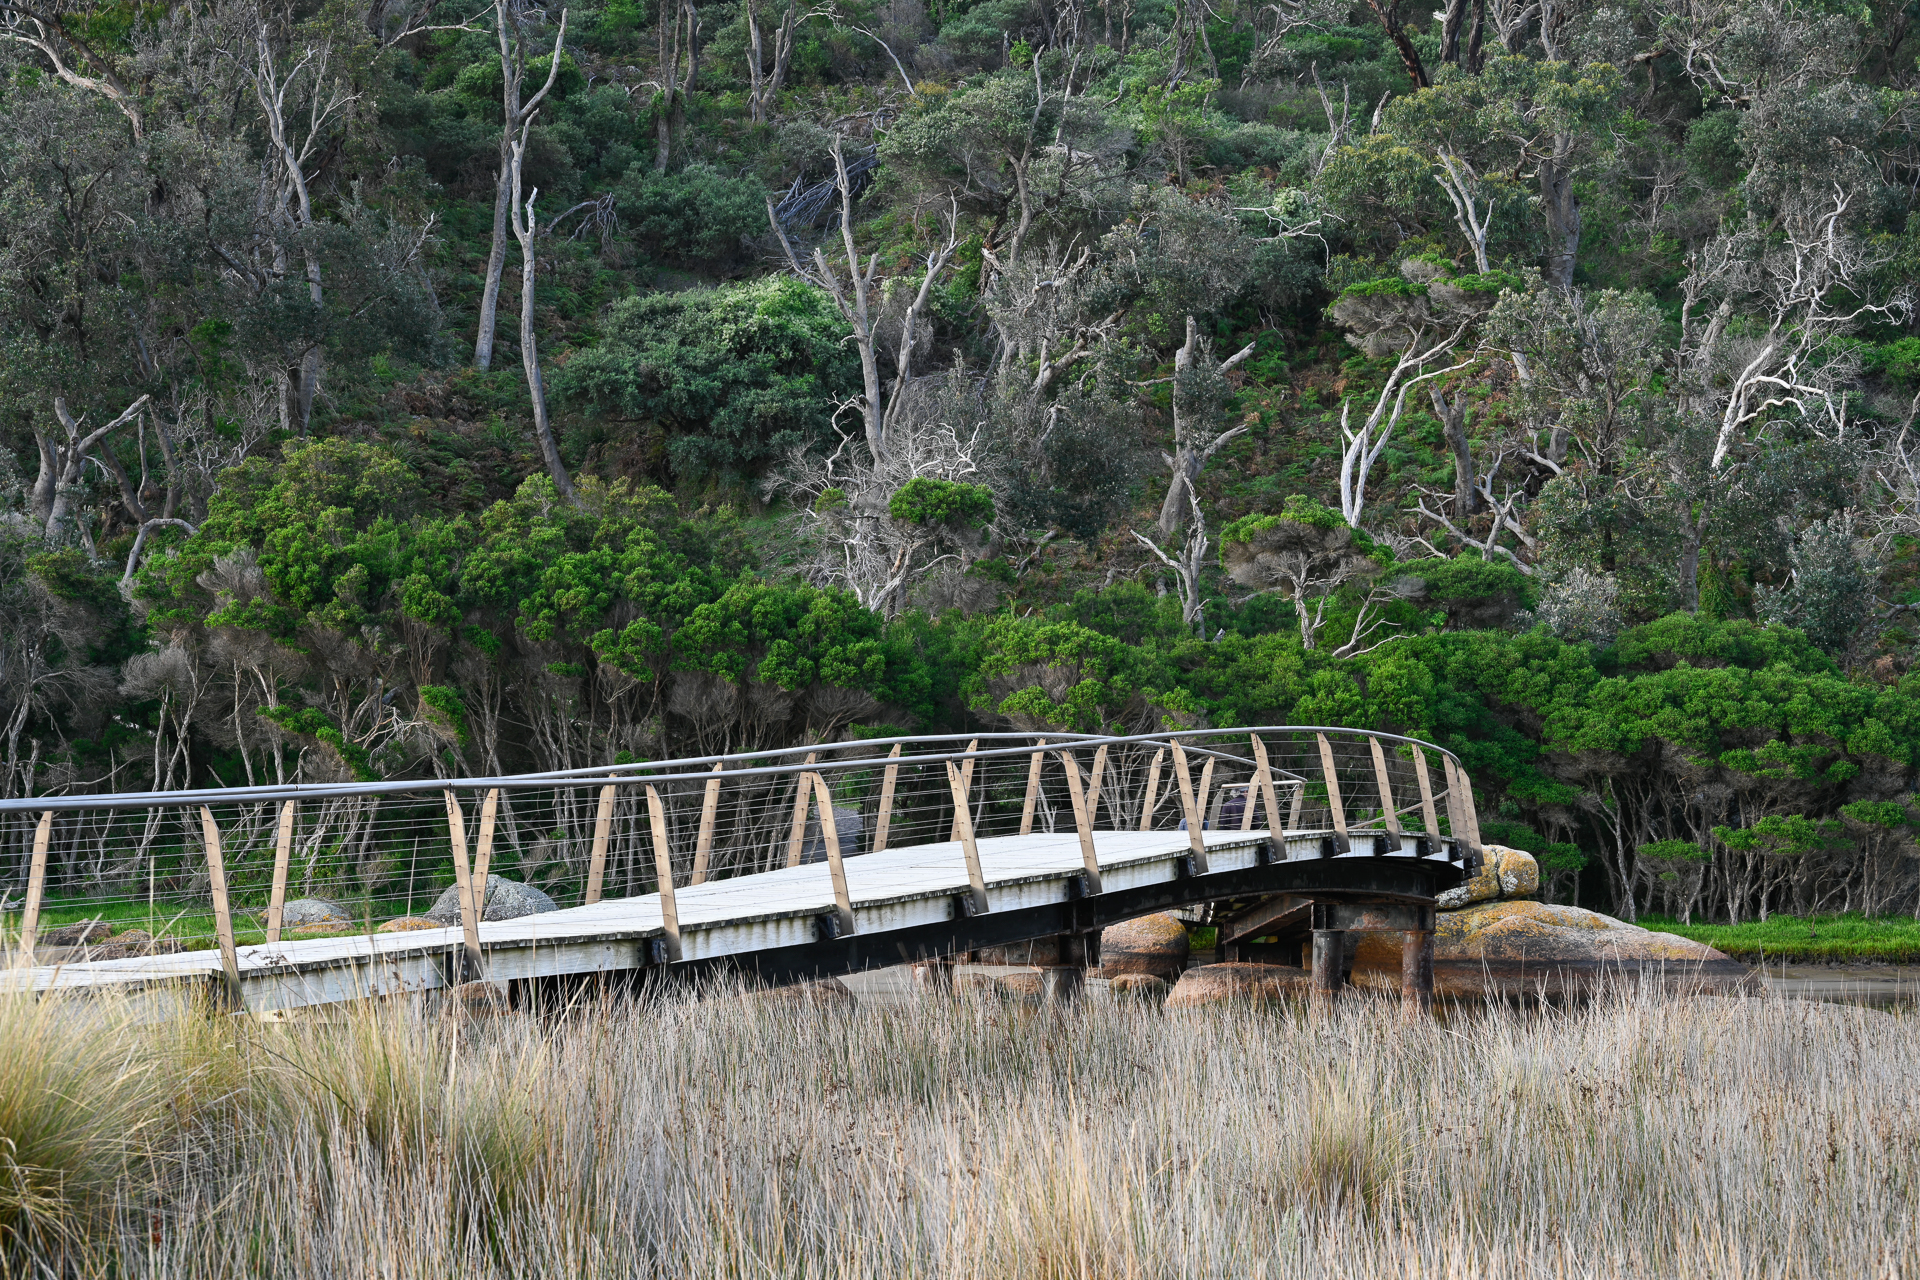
x: 516, y: 116
x: 852, y: 288
x: 1363, y: 445
x: 56, y: 41
x: 763, y: 85
x: 678, y: 37
x: 62, y: 459
x: 1195, y: 438
x: 1187, y: 565
x: 525, y: 229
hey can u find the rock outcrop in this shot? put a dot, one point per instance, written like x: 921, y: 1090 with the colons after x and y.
x: 1139, y: 986
x: 305, y: 911
x: 1500, y: 943
x: 408, y: 924
x: 505, y: 900
x: 1239, y: 983
x: 1155, y: 945
x: 1503, y: 873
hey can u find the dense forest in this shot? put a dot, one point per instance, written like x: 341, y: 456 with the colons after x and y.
x: 417, y: 388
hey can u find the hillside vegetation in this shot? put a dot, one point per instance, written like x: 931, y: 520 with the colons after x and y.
x: 413, y: 388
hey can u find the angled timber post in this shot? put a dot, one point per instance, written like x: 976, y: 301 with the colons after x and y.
x: 1456, y: 815
x: 830, y: 828
x: 1153, y: 790
x: 970, y: 848
x: 1263, y: 775
x: 1340, y: 842
x: 709, y: 816
x: 1033, y: 788
x: 1428, y: 814
x: 1083, y: 820
x: 602, y: 836
x: 883, y: 824
x: 966, y: 785
x: 663, y: 872
x: 1094, y: 781
x: 1183, y: 780
x: 282, y: 859
x: 483, y: 854
x: 802, y: 793
x: 36, y: 886
x: 1469, y: 822
x: 1389, y: 816
x: 222, y: 908
x: 473, y: 964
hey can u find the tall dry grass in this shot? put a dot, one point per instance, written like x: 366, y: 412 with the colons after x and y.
x: 963, y: 1139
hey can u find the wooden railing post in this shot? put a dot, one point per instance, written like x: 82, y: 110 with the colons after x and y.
x: 1183, y: 780
x: 966, y: 785
x: 1033, y: 789
x: 222, y: 908
x: 1263, y: 776
x: 709, y: 815
x: 663, y: 872
x: 1082, y: 820
x: 602, y: 836
x: 1428, y: 815
x: 282, y: 859
x: 802, y: 794
x: 1388, y: 815
x: 968, y: 846
x: 883, y: 823
x: 1153, y: 790
x: 1340, y: 842
x: 830, y: 828
x: 1206, y: 790
x: 1466, y: 822
x: 473, y: 965
x: 36, y: 886
x: 483, y: 855
x: 1094, y: 781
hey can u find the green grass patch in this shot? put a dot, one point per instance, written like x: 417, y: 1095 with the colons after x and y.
x: 1841, y: 937
x: 193, y: 929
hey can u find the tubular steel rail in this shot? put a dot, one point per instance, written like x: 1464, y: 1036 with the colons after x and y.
x: 793, y: 862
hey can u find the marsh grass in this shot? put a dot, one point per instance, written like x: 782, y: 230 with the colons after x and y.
x: 964, y: 1138
x: 1816, y: 939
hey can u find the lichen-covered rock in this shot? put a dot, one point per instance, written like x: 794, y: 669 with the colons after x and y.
x: 1139, y: 986
x: 505, y: 900
x: 408, y: 924
x: 1022, y: 988
x: 1495, y: 949
x: 132, y: 943
x: 80, y: 933
x: 1242, y: 983
x: 821, y: 993
x: 1503, y: 873
x: 1040, y: 951
x: 323, y: 930
x: 302, y: 911
x: 1155, y: 944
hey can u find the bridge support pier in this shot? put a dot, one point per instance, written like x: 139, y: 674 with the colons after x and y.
x: 1329, y: 961
x: 1416, y: 973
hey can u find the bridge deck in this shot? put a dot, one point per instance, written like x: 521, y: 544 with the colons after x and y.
x: 898, y: 895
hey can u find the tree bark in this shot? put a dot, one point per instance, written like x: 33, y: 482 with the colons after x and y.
x: 1562, y: 210
x: 516, y: 116
x: 1453, y: 421
x: 1192, y: 449
x: 1389, y: 16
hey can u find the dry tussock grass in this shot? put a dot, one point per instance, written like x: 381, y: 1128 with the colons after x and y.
x: 963, y: 1139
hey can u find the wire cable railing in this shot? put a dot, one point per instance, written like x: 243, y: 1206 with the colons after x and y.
x: 109, y: 876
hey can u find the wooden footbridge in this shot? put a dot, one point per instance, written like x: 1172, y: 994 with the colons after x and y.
x: 783, y: 864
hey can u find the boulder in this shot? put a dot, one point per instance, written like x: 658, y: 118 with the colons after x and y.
x: 1139, y: 986
x: 303, y: 911
x: 407, y: 924
x: 505, y: 900
x: 1212, y: 984
x: 1155, y: 944
x: 1497, y: 949
x: 322, y: 930
x: 1040, y: 951
x: 1503, y: 873
x: 79, y: 934
x: 1022, y: 988
x: 133, y: 943
x: 820, y: 993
